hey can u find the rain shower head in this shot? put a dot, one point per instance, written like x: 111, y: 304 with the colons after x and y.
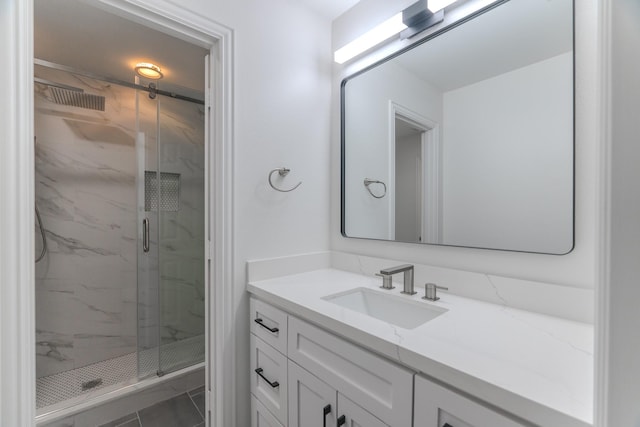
x: 72, y: 96
x: 76, y: 98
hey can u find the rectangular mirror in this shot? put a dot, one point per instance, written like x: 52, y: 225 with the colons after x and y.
x: 466, y: 138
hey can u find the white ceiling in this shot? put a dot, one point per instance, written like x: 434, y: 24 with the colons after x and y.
x: 330, y: 9
x: 79, y: 35
x: 511, y: 36
x: 75, y: 34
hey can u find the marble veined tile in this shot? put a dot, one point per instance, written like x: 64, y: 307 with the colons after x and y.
x: 56, y: 312
x: 100, y: 310
x: 54, y: 353
x: 95, y: 348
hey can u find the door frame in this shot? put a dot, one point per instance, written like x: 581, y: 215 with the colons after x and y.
x: 431, y: 203
x: 17, y: 278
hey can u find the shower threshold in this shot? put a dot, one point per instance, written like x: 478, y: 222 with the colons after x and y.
x: 86, y: 383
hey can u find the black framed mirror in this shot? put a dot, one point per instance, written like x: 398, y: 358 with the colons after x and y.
x: 466, y: 138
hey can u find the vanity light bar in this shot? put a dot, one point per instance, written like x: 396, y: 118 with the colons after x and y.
x: 431, y: 13
x: 436, y: 5
x: 377, y: 35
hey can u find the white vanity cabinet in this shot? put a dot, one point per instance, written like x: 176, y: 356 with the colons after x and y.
x: 268, y: 346
x: 437, y: 406
x: 381, y: 387
x: 304, y: 376
x: 320, y: 372
x: 260, y: 415
x: 269, y: 377
x: 314, y: 403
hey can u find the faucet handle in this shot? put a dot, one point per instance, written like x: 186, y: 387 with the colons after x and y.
x: 387, y: 281
x: 430, y: 291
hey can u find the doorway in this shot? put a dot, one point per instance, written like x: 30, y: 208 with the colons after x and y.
x: 122, y: 187
x: 409, y: 182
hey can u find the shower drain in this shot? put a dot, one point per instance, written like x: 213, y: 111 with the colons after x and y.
x: 91, y: 384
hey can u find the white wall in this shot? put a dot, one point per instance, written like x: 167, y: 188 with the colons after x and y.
x: 504, y: 187
x: 622, y: 393
x: 282, y: 101
x: 575, y: 269
x: 369, y: 155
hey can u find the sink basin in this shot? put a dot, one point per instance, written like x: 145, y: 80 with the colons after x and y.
x: 392, y: 309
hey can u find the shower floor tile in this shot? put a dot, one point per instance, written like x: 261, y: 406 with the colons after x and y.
x: 100, y: 377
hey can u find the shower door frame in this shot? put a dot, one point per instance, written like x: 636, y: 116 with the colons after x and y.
x: 17, y: 292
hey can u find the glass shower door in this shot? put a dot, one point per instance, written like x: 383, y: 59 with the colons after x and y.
x: 181, y: 233
x: 148, y: 234
x: 171, y: 299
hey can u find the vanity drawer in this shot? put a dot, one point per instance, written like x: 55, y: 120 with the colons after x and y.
x: 379, y: 386
x: 269, y: 323
x: 438, y: 406
x: 260, y: 415
x: 269, y: 377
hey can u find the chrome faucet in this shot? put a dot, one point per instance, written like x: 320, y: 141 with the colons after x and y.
x: 387, y: 278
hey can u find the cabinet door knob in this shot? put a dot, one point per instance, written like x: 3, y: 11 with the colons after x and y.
x: 272, y: 384
x: 342, y: 420
x: 261, y: 323
x: 325, y: 411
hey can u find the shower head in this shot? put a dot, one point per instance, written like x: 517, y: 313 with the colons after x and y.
x: 75, y: 98
x: 72, y: 96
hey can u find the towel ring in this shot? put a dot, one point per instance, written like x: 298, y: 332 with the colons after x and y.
x: 368, y: 182
x: 282, y: 172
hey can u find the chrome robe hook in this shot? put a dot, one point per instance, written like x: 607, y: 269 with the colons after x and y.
x: 282, y: 172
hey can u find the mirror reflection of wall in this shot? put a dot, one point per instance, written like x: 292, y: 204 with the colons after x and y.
x: 473, y: 132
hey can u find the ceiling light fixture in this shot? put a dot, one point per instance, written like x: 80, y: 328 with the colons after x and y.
x: 148, y: 70
x: 377, y: 35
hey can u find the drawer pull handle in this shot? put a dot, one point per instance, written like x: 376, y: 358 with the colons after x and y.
x: 325, y: 411
x: 447, y: 425
x: 272, y: 384
x: 259, y: 322
x: 342, y: 420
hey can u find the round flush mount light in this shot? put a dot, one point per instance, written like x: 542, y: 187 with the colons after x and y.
x: 148, y: 70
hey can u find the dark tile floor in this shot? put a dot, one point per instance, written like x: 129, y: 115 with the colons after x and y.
x: 185, y: 410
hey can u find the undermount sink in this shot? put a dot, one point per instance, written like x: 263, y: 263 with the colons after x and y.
x: 392, y: 309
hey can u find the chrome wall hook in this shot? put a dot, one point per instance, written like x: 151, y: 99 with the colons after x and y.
x: 368, y: 182
x: 282, y: 172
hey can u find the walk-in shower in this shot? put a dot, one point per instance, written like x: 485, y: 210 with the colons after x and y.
x: 120, y: 198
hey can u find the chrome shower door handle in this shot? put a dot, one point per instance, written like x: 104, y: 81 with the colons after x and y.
x: 145, y: 235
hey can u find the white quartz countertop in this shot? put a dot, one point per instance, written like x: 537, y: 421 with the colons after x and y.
x: 535, y: 366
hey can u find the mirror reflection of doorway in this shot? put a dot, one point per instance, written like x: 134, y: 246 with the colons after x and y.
x: 409, y: 179
x: 415, y: 199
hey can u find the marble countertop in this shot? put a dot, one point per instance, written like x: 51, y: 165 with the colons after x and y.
x: 535, y: 366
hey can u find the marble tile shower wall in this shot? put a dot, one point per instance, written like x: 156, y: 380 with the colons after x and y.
x: 86, y: 286
x: 181, y: 246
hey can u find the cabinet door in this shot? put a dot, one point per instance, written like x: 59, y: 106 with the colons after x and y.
x: 355, y: 415
x: 373, y: 382
x: 437, y: 406
x: 312, y: 403
x: 260, y: 415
